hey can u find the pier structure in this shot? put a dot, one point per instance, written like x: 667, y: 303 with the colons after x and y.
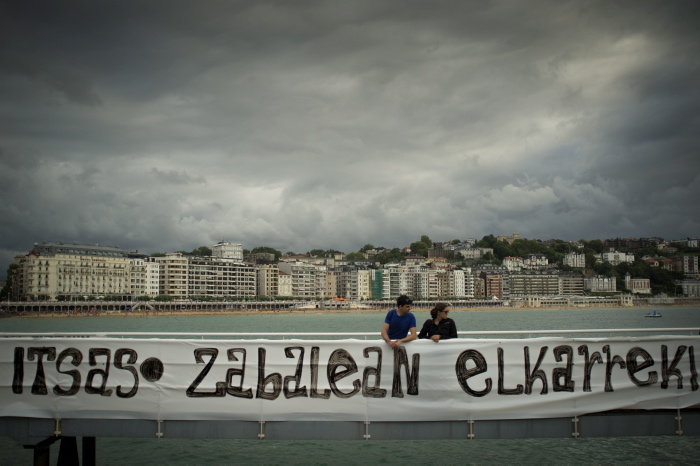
x: 32, y: 426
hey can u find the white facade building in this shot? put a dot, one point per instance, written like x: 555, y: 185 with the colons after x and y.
x: 285, y: 284
x: 137, y: 276
x: 575, y: 260
x: 54, y: 271
x: 535, y: 261
x: 457, y: 285
x: 637, y: 285
x: 616, y: 258
x: 690, y: 287
x: 152, y: 277
x: 513, y: 264
x: 474, y: 253
x: 224, y: 250
x: 308, y: 280
x: 601, y: 283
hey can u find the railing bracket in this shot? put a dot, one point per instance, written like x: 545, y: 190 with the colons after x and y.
x: 679, y: 418
x: 57, y: 427
x: 159, y: 433
x: 366, y: 436
x: 470, y: 435
x: 261, y: 435
x: 575, y: 433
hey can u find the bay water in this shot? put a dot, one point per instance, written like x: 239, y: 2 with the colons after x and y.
x: 627, y: 450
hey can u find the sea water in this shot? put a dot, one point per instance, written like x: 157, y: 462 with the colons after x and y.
x: 627, y: 450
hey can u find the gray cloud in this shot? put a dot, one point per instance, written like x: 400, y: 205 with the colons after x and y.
x: 162, y: 126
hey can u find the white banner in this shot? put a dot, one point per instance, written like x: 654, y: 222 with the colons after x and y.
x: 343, y: 380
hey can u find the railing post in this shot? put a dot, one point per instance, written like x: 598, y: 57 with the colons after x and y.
x: 679, y: 420
x: 575, y: 433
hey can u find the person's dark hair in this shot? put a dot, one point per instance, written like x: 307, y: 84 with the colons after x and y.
x: 403, y: 300
x: 438, y: 307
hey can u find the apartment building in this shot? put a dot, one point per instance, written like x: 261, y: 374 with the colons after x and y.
x: 268, y: 280
x: 173, y: 271
x: 576, y: 260
x: 220, y: 278
x: 535, y: 283
x: 570, y: 284
x: 351, y: 282
x: 474, y: 253
x: 152, y: 276
x: 493, y: 284
x: 686, y: 264
x: 137, y: 276
x: 61, y: 271
x: 285, y: 284
x: 535, y: 261
x: 513, y: 264
x: 439, y: 283
x: 457, y: 283
x: 308, y: 280
x: 615, y: 257
x: 224, y: 250
x: 376, y: 283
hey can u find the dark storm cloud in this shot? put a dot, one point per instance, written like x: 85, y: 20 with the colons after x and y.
x: 164, y: 126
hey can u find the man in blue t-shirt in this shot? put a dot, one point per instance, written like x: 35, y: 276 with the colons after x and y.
x: 399, y: 324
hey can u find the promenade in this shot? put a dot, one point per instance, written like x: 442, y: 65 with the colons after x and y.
x: 136, y: 309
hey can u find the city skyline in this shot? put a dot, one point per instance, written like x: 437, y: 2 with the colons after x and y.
x: 166, y: 126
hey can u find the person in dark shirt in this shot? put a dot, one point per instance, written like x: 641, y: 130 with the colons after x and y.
x: 399, y: 324
x: 439, y: 326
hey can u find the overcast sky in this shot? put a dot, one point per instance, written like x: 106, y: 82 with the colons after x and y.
x: 167, y: 125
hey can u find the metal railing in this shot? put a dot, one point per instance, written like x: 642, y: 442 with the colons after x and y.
x: 367, y: 335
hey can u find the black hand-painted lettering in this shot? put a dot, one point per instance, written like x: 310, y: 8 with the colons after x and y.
x: 373, y: 391
x: 18, y: 376
x: 118, y: 356
x: 633, y: 367
x: 609, y: 367
x: 341, y: 358
x: 563, y: 372
x: 76, y: 358
x: 39, y: 385
x: 237, y: 390
x: 518, y: 390
x: 537, y: 373
x: 220, y: 386
x: 693, y: 370
x: 93, y: 353
x: 667, y: 372
x: 326, y: 393
x: 152, y: 369
x: 296, y: 378
x: 588, y: 365
x: 401, y: 359
x: 274, y: 378
x: 463, y: 374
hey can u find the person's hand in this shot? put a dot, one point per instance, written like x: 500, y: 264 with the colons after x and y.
x: 435, y: 338
x: 395, y: 343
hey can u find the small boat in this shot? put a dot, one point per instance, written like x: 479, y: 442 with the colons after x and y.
x: 653, y: 314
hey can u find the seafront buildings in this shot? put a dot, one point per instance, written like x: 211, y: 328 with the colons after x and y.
x: 70, y: 272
